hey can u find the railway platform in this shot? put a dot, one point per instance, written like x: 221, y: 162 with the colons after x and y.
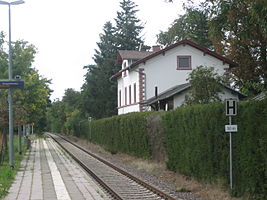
x: 47, y: 172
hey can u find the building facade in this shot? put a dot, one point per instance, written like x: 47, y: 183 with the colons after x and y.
x: 147, y: 75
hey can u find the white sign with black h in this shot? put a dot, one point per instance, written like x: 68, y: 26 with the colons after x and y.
x: 231, y: 110
x: 231, y: 107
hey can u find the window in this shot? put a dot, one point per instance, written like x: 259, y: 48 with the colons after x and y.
x: 120, y: 98
x: 130, y: 95
x: 124, y: 72
x: 183, y: 62
x: 135, y: 93
x: 125, y: 96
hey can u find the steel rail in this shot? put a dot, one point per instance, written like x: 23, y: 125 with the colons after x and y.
x: 102, y: 183
x: 139, y: 181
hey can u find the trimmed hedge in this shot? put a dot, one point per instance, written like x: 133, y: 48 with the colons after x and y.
x: 196, y: 142
x: 125, y: 133
x: 198, y: 146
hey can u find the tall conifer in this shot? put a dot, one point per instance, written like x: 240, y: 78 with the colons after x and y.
x: 128, y: 27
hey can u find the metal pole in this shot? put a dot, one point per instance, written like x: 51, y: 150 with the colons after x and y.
x: 231, y: 164
x: 10, y: 100
x: 90, y: 130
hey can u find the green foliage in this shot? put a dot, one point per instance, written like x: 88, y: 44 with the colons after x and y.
x: 97, y: 89
x: 238, y: 30
x: 31, y: 102
x: 205, y: 86
x: 198, y: 146
x: 7, y: 174
x: 128, y: 27
x: 233, y: 28
x: 125, y: 133
x: 56, y: 117
x: 72, y: 124
x: 193, y: 25
x: 99, y: 94
x: 63, y: 116
x: 250, y: 88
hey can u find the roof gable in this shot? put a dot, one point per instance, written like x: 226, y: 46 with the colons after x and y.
x: 151, y: 55
x: 192, y: 44
x: 131, y: 54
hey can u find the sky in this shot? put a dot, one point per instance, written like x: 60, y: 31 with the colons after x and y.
x: 65, y: 32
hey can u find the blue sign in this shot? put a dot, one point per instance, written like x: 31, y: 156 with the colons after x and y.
x: 6, y: 84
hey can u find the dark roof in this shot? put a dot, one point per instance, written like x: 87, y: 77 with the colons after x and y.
x: 168, y: 93
x: 131, y: 54
x: 179, y: 89
x: 260, y: 96
x: 183, y: 42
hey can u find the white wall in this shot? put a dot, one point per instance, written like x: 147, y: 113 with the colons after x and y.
x: 125, y: 81
x: 178, y: 100
x: 161, y: 71
x: 128, y: 109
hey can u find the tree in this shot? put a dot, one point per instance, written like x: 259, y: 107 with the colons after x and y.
x: 31, y: 102
x: 98, y: 93
x: 56, y: 117
x: 205, y: 86
x: 3, y: 58
x: 193, y: 25
x: 107, y: 48
x: 238, y: 29
x: 64, y: 115
x: 71, y: 99
x: 128, y: 27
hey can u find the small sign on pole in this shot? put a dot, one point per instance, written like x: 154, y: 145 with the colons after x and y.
x: 231, y: 110
x: 231, y: 107
x: 11, y: 84
x: 230, y: 128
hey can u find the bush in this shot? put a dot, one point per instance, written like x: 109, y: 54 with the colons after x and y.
x: 198, y: 146
x: 196, y: 142
x: 125, y: 133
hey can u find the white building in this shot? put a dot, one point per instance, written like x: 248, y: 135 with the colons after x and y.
x: 159, y: 77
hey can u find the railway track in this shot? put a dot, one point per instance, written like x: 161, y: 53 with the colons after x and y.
x: 117, y: 182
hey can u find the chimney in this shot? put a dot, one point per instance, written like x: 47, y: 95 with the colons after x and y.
x: 156, y: 48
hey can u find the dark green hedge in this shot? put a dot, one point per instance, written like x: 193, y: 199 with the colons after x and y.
x: 196, y: 143
x: 125, y: 133
x: 198, y: 146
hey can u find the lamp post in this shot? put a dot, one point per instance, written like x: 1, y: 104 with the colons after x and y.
x: 10, y: 100
x: 90, y: 129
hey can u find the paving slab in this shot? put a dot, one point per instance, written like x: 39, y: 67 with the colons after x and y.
x: 48, y: 172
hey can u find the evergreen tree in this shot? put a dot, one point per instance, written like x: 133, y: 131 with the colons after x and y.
x: 128, y: 27
x: 107, y: 48
x: 98, y: 93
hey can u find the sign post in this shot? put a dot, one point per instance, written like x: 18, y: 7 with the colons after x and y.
x: 11, y: 84
x: 231, y: 110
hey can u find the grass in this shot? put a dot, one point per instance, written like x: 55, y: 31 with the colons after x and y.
x: 7, y: 174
